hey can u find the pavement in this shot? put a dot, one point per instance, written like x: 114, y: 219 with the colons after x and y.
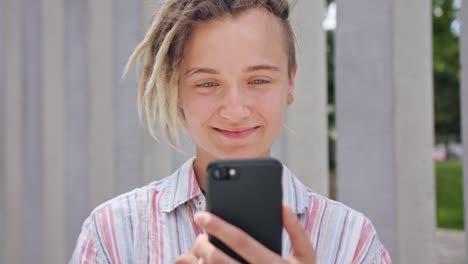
x: 450, y: 247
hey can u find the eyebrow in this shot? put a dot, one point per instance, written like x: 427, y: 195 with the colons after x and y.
x: 248, y: 69
x: 262, y: 67
x: 201, y: 70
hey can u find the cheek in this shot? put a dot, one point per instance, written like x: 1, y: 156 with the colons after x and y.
x: 273, y: 108
x: 197, y: 110
x: 276, y: 116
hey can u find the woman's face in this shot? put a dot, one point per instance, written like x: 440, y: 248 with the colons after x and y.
x: 234, y: 83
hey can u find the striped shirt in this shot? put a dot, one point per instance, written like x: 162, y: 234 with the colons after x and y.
x: 154, y: 224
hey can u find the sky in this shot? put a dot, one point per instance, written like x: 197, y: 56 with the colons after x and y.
x: 329, y: 23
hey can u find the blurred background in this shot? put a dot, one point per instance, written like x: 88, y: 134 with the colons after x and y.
x: 376, y: 122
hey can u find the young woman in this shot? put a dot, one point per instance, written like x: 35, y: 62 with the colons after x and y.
x: 223, y: 71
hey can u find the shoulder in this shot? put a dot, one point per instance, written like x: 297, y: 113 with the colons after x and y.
x: 334, y: 220
x: 304, y: 200
x: 331, y: 209
x: 134, y: 200
x: 114, y: 225
x: 342, y: 233
x: 127, y: 210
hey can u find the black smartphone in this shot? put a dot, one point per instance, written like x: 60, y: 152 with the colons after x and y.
x: 247, y: 194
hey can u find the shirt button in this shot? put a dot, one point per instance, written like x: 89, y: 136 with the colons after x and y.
x: 199, y: 204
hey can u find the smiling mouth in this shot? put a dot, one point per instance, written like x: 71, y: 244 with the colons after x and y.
x: 237, y: 133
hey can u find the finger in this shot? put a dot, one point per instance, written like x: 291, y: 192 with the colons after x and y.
x: 300, y: 242
x: 186, y: 259
x: 206, y: 251
x: 236, y: 239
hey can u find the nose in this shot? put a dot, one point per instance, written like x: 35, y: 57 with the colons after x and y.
x: 235, y: 105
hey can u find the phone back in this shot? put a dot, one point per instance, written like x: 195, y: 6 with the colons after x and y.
x: 247, y: 194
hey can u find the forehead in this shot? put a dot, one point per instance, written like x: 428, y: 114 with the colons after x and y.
x: 250, y: 35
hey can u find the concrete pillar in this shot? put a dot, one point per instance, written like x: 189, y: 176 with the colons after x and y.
x: 101, y: 172
x: 385, y: 121
x: 14, y: 127
x: 77, y: 119
x: 306, y: 148
x: 53, y: 132
x: 464, y: 108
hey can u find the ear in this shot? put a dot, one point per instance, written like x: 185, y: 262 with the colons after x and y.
x: 292, y: 79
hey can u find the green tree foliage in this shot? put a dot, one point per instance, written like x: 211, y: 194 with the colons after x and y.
x: 446, y: 59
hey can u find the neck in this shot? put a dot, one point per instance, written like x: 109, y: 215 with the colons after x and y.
x: 199, y: 166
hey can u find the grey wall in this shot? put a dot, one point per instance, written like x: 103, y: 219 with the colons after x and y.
x: 127, y: 31
x: 53, y: 131
x: 77, y: 118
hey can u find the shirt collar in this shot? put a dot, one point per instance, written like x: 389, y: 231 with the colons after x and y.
x: 183, y: 187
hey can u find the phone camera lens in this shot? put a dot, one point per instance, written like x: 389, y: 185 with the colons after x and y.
x: 219, y: 174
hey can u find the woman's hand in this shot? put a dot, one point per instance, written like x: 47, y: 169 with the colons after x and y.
x: 244, y: 245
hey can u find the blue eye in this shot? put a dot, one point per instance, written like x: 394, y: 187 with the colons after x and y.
x: 259, y: 81
x: 206, y: 84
